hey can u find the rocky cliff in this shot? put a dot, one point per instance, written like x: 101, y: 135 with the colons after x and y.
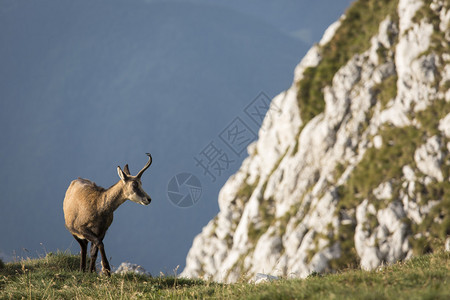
x: 352, y: 163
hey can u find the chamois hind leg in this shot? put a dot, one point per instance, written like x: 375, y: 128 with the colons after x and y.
x: 98, y: 243
x: 94, y: 252
x: 83, y: 245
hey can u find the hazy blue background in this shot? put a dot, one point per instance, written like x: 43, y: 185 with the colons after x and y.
x: 89, y: 85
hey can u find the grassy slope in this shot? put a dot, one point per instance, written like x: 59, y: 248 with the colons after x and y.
x: 56, y: 276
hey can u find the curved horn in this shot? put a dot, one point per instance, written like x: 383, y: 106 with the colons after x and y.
x: 146, y: 166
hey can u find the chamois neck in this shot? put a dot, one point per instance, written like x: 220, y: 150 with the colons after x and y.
x: 113, y: 197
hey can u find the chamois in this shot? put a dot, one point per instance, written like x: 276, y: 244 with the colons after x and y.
x: 88, y: 211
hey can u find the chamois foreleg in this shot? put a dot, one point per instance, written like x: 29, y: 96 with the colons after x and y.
x: 105, y: 264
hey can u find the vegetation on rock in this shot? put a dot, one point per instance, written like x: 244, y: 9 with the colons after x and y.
x: 366, y: 16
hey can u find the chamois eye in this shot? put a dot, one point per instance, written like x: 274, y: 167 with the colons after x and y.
x: 134, y: 184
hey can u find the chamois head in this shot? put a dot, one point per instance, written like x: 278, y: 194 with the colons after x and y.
x: 132, y: 188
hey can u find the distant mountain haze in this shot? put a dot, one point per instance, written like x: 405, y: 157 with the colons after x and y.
x: 86, y: 86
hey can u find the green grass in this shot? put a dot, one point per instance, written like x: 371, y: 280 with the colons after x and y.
x: 386, y: 90
x: 349, y: 258
x: 56, y: 277
x: 430, y: 117
x: 380, y: 165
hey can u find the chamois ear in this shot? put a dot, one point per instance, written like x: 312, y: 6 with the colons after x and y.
x: 126, y: 170
x: 122, y: 175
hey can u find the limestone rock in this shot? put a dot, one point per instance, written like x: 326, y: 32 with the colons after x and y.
x: 347, y: 185
x: 127, y: 267
x: 260, y: 278
x: 429, y: 158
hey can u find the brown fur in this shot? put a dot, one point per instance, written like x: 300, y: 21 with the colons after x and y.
x: 88, y: 211
x: 95, y: 212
